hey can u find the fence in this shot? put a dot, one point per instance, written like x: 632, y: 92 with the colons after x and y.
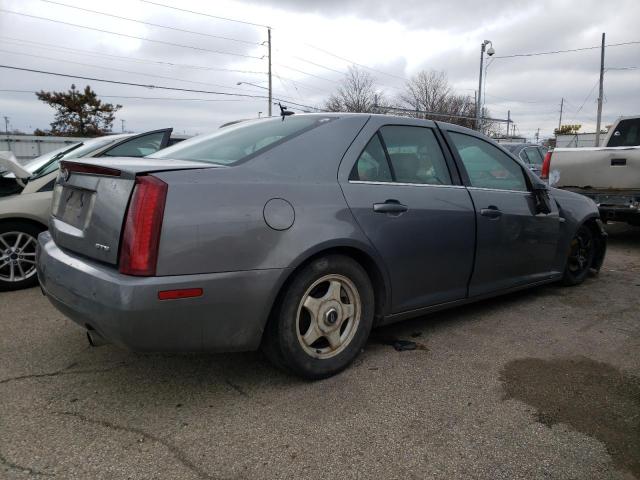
x: 577, y: 140
x: 26, y: 147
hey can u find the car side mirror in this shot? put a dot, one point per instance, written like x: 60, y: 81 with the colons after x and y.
x: 541, y: 197
x: 540, y: 187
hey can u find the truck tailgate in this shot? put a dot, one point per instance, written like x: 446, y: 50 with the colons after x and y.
x: 613, y: 168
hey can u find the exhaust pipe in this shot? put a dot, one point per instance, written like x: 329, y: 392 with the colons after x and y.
x: 95, y: 339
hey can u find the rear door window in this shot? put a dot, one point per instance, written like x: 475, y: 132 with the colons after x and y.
x: 487, y: 166
x: 372, y: 163
x: 403, y: 154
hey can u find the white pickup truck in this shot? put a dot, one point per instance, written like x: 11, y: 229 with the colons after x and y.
x: 609, y: 175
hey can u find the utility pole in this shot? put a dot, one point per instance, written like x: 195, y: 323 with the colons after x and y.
x: 561, y: 107
x: 601, y: 93
x: 537, y: 135
x: 6, y: 131
x: 122, y: 122
x: 508, y: 121
x: 270, y: 82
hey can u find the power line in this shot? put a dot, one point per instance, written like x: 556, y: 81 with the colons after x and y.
x: 133, y: 72
x: 121, y: 70
x: 151, y: 24
x: 574, y: 115
x: 355, y: 63
x: 437, y: 114
x: 297, y: 83
x: 124, y: 58
x: 146, y: 98
x: 158, y: 87
x: 567, y: 51
x: 204, y: 14
x: 296, y: 57
x: 306, y: 73
x: 623, y: 68
x: 192, y: 47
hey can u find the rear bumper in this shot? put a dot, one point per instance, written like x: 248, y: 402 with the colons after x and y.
x: 229, y: 316
x: 620, y: 206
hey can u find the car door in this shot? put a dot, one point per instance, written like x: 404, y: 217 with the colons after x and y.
x: 516, y: 244
x: 408, y: 200
x: 139, y: 145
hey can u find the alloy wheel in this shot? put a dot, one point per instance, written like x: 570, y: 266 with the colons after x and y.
x: 17, y: 256
x: 328, y: 316
x: 580, y: 252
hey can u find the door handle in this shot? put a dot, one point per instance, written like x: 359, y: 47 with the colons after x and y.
x: 491, y: 212
x: 390, y: 206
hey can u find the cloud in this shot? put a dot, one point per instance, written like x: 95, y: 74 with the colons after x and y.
x: 394, y: 39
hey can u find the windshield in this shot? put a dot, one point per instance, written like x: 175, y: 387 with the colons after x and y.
x: 242, y: 141
x: 35, y: 163
x: 79, y: 150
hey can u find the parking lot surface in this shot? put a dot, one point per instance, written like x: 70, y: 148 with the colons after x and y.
x: 537, y: 384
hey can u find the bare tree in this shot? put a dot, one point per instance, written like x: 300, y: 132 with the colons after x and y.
x: 427, y: 91
x: 357, y: 93
x: 430, y: 91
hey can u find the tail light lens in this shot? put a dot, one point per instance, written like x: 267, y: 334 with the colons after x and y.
x: 546, y: 164
x: 73, y: 167
x: 141, y: 236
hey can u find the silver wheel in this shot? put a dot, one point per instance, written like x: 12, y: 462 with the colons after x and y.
x: 17, y: 256
x: 328, y: 316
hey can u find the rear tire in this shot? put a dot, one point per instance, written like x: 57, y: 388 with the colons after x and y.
x: 581, y: 255
x: 323, y: 319
x: 18, y: 242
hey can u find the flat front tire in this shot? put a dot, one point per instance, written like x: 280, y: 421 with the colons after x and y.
x: 323, y: 319
x: 580, y: 259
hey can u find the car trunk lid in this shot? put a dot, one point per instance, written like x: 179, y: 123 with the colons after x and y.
x: 90, y: 202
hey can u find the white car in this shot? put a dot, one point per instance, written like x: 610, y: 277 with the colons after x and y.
x: 26, y: 192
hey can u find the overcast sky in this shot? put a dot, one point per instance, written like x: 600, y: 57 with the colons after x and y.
x: 393, y: 39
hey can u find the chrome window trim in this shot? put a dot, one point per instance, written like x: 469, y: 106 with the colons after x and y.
x: 366, y: 182
x: 402, y: 184
x: 499, y: 190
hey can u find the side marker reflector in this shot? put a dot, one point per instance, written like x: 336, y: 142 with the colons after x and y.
x: 178, y: 294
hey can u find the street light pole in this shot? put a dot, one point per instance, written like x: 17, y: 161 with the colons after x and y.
x: 490, y: 52
x: 270, y: 81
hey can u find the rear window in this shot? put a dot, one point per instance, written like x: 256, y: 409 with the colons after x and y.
x: 627, y: 134
x: 242, y: 141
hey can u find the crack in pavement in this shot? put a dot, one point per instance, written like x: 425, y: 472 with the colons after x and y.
x: 177, y: 453
x: 63, y: 371
x: 241, y: 391
x: 28, y: 470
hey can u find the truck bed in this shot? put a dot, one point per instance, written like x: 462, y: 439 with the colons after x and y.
x: 608, y: 168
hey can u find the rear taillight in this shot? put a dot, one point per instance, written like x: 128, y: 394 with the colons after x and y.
x: 545, y: 166
x: 141, y: 236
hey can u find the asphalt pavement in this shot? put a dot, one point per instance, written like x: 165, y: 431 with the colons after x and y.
x: 541, y: 384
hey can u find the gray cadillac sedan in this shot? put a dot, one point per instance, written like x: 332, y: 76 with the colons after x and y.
x: 298, y: 235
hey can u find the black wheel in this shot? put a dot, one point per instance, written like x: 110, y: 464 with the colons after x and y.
x: 323, y: 319
x: 18, y: 242
x: 581, y: 253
